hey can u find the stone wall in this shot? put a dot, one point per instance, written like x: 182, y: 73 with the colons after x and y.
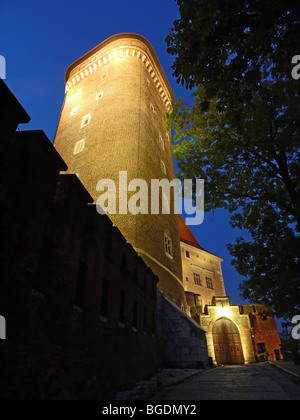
x: 181, y: 341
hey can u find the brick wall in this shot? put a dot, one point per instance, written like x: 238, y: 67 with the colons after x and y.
x: 124, y: 134
x: 265, y: 335
x: 79, y: 303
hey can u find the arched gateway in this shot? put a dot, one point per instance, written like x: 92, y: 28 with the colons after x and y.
x: 227, y: 343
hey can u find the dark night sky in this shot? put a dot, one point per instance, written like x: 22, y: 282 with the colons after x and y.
x: 39, y: 40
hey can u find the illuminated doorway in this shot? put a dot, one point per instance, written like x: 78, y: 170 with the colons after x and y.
x: 227, y: 343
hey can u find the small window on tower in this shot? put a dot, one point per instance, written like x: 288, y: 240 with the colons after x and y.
x: 86, y: 120
x: 168, y: 246
x: 152, y: 108
x: 79, y: 146
x: 161, y: 142
x: 99, y: 95
x: 74, y: 111
x: 163, y: 167
x: 261, y: 348
x: 188, y: 254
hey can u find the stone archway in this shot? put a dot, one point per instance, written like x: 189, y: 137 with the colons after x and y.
x: 227, y: 343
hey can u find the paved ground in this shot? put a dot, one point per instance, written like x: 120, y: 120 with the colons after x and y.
x: 252, y: 382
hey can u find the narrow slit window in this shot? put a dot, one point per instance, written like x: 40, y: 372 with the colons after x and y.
x: 81, y: 285
x: 135, y: 315
x: 86, y: 120
x: 79, y: 146
x: 161, y: 142
x: 122, y: 307
x: 99, y: 95
x: 104, y: 299
x: 74, y: 111
x: 163, y: 167
x: 145, y: 320
x: 168, y: 246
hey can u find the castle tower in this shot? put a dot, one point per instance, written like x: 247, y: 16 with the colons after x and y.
x: 112, y: 121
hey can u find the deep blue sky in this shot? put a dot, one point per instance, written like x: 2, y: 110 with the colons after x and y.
x: 40, y: 39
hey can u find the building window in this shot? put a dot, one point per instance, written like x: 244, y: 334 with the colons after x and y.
x: 197, y: 279
x: 153, y: 324
x: 261, y: 348
x: 85, y: 120
x: 152, y: 108
x: 135, y: 315
x: 161, y: 142
x: 81, y: 285
x: 99, y: 95
x: 186, y: 279
x: 168, y: 246
x: 74, y: 111
x: 145, y: 320
x: 163, y: 167
x: 104, y: 299
x: 209, y: 282
x: 122, y: 307
x: 188, y: 254
x: 79, y: 146
x: 45, y: 266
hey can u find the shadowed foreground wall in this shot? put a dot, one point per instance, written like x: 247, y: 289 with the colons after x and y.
x: 79, y: 303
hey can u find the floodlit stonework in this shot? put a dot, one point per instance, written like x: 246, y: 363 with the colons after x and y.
x: 112, y: 120
x: 91, y: 304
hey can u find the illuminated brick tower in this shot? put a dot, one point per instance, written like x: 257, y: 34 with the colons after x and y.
x: 112, y: 121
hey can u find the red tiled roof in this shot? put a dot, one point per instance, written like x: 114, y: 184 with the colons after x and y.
x: 187, y: 236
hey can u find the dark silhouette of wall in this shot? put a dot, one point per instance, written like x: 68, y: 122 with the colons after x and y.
x: 79, y: 303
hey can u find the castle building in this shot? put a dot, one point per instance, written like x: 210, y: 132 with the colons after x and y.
x: 201, y: 270
x: 236, y: 334
x: 79, y: 290
x: 112, y: 121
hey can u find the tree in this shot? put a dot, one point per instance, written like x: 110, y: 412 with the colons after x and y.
x: 242, y: 132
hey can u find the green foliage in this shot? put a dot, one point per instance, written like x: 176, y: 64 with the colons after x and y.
x: 242, y: 132
x: 233, y: 44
